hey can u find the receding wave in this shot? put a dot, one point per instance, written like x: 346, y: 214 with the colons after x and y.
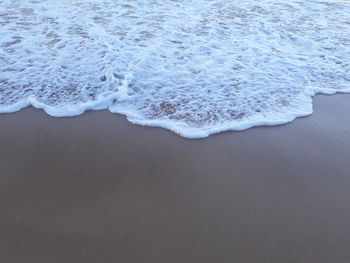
x: 196, y: 67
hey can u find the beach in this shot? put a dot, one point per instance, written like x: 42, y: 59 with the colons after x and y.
x: 96, y: 188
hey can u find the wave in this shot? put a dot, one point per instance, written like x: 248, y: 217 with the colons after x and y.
x: 194, y: 67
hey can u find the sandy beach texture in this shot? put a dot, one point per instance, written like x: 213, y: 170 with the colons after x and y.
x: 96, y: 188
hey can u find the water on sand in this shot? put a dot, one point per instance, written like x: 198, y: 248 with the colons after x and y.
x: 196, y: 67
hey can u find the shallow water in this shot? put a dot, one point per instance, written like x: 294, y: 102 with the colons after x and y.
x: 196, y: 67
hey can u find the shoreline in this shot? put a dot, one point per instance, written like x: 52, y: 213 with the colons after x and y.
x: 179, y: 128
x: 97, y: 188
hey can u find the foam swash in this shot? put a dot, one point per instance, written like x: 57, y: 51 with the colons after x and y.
x: 196, y: 67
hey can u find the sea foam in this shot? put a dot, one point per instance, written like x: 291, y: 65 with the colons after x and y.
x: 196, y: 67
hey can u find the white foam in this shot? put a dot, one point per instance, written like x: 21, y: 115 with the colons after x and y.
x: 196, y: 67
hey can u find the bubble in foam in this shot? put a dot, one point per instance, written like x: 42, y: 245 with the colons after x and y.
x: 195, y: 67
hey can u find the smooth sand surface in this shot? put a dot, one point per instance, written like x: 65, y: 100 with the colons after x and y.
x: 96, y: 188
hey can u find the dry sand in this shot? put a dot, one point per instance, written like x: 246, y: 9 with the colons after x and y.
x: 96, y: 188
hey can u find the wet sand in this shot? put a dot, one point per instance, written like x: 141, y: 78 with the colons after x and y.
x: 96, y: 188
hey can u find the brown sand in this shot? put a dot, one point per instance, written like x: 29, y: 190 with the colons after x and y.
x: 96, y: 188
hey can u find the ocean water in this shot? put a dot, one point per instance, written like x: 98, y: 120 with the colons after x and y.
x: 196, y: 67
